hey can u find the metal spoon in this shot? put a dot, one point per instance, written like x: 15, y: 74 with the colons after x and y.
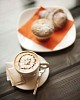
x: 38, y: 79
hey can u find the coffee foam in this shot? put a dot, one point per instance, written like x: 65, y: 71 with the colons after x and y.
x: 26, y: 62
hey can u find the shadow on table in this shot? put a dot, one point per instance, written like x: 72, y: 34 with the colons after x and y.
x: 55, y: 53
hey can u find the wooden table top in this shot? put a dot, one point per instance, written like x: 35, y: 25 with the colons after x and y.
x: 63, y: 82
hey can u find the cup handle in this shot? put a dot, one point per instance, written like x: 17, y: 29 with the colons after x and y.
x: 44, y: 65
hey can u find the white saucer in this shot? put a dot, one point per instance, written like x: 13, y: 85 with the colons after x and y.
x: 29, y: 44
x: 30, y: 84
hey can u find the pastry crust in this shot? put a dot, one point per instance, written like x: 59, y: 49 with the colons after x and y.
x: 56, y: 16
x: 59, y: 20
x: 42, y: 28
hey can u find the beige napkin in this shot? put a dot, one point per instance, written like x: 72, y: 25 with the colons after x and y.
x: 12, y: 75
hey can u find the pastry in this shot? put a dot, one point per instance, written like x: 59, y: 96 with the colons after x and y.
x: 56, y: 16
x: 59, y: 19
x: 42, y: 29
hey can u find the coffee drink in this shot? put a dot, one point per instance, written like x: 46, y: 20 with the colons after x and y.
x: 26, y: 62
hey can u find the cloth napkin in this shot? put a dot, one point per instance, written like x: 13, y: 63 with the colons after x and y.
x: 56, y: 38
x: 13, y: 76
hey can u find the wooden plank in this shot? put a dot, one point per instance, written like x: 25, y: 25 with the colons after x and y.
x: 62, y: 86
x: 75, y: 52
x: 5, y: 86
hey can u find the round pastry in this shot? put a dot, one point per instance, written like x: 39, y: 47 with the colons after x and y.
x: 57, y: 17
x: 59, y: 20
x: 42, y: 29
x: 53, y: 12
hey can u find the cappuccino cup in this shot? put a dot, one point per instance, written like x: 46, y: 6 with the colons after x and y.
x: 27, y: 63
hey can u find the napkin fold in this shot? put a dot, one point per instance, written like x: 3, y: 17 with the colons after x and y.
x: 56, y: 38
x: 13, y: 76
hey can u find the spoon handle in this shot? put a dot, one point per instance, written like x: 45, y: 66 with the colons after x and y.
x: 37, y: 81
x: 36, y: 86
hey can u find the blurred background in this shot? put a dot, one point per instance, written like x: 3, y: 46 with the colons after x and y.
x: 69, y: 4
x: 9, y: 14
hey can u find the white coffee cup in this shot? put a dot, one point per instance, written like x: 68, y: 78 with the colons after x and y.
x: 27, y: 63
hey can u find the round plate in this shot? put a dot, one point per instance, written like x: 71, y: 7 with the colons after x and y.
x: 30, y: 84
x: 29, y: 44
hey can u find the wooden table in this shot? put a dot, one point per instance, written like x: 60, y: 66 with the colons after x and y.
x: 64, y: 78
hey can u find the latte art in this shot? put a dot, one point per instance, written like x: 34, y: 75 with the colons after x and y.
x: 27, y: 61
